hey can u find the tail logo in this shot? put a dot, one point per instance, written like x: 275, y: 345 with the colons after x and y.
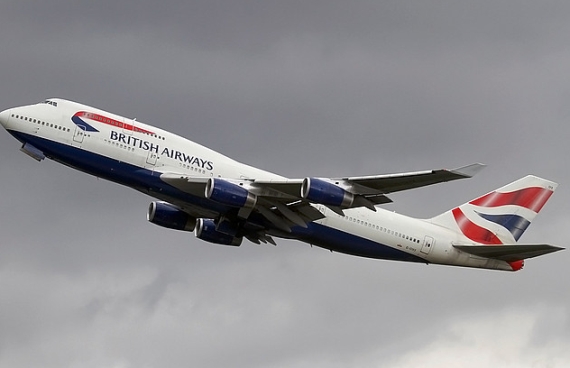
x: 531, y: 198
x: 512, y: 211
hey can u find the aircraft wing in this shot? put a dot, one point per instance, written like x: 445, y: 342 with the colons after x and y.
x: 509, y: 253
x: 373, y: 188
x: 369, y: 191
x: 289, y: 202
x: 396, y: 182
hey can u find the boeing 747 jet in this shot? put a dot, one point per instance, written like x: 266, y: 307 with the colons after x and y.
x: 224, y: 201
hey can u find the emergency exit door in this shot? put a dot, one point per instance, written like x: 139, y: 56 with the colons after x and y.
x: 429, y: 242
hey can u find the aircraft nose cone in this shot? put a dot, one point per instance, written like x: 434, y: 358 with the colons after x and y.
x: 4, y: 116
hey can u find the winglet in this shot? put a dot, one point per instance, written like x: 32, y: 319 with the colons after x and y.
x: 469, y: 170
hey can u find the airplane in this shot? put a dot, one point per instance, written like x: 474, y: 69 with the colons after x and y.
x: 224, y: 201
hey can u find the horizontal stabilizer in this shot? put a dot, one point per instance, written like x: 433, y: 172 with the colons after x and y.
x: 509, y: 253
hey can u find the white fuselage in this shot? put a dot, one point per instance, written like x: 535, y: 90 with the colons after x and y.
x: 115, y: 147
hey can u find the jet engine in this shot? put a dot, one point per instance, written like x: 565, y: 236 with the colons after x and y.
x: 167, y: 215
x: 206, y: 230
x: 230, y: 194
x: 324, y: 192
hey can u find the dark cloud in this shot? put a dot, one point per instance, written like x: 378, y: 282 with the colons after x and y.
x: 318, y: 88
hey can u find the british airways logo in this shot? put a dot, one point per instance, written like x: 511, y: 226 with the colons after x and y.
x: 80, y: 118
x: 512, y: 211
x: 145, y: 145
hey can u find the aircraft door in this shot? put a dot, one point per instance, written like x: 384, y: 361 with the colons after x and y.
x: 151, y: 158
x: 78, y: 135
x: 429, y: 243
x: 128, y: 126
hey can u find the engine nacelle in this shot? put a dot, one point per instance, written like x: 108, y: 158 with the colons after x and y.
x: 167, y: 215
x: 324, y: 192
x: 230, y: 194
x: 206, y: 230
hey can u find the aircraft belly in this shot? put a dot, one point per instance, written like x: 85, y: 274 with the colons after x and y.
x: 343, y: 242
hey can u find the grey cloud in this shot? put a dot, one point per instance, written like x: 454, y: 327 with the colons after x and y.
x: 299, y: 88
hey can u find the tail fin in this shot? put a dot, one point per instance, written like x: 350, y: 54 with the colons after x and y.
x: 502, y: 216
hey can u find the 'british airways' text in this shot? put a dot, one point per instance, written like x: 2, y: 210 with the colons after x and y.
x: 132, y: 141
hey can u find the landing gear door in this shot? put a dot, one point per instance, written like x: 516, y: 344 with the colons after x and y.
x: 429, y: 243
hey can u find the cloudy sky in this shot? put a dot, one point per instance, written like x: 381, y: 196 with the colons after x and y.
x: 319, y: 88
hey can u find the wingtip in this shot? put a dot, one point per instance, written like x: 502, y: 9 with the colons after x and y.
x: 469, y: 170
x: 557, y: 248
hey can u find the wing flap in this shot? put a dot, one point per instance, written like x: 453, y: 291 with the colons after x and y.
x: 188, y: 184
x: 510, y: 252
x: 290, y: 188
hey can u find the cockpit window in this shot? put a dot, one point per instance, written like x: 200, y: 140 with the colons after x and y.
x: 49, y: 102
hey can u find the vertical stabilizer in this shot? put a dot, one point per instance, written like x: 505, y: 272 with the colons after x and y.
x: 501, y: 216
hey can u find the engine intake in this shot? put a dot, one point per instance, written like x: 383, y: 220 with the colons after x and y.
x: 206, y: 230
x: 167, y: 215
x: 230, y: 194
x: 324, y: 192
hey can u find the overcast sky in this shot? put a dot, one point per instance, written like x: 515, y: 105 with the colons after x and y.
x: 301, y: 88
